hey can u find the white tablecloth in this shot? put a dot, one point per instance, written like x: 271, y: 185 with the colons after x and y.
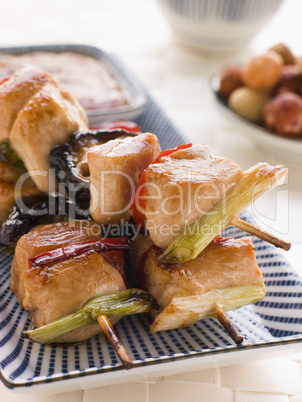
x: 177, y: 77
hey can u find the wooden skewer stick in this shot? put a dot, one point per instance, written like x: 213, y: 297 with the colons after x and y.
x: 262, y: 234
x: 227, y: 324
x: 115, y: 341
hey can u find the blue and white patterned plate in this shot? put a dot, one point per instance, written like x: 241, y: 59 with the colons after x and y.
x: 137, y: 92
x: 275, y: 323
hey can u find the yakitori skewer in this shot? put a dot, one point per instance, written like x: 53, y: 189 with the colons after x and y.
x: 127, y: 302
x: 224, y: 277
x: 63, y: 267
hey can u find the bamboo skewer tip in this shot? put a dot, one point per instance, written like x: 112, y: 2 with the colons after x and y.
x: 228, y: 325
x: 261, y: 234
x: 115, y: 342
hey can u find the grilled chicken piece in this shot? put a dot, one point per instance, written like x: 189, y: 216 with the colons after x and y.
x: 16, y: 92
x: 182, y: 187
x: 115, y: 168
x: 225, y: 264
x: 9, y: 192
x: 47, y: 119
x: 46, y: 238
x: 54, y: 290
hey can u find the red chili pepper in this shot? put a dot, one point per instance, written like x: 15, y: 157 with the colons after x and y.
x: 63, y: 253
x: 221, y: 240
x: 138, y: 204
x: 122, y: 124
x: 168, y: 152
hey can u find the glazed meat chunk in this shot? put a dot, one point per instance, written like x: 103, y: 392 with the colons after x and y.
x: 224, y: 264
x: 115, y: 168
x: 16, y: 92
x: 46, y: 238
x: 181, y: 187
x: 65, y: 286
x: 62, y: 287
x: 47, y: 119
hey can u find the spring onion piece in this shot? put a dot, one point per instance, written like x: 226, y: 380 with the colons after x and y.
x: 10, y: 155
x: 196, y: 236
x: 127, y: 302
x: 184, y: 311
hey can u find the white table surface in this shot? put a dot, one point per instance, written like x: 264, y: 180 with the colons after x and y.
x: 177, y: 77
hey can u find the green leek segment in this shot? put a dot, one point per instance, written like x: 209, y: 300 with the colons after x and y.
x: 198, y: 235
x: 127, y: 302
x: 228, y: 299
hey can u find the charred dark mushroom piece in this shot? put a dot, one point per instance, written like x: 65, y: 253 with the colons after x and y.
x: 69, y: 161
